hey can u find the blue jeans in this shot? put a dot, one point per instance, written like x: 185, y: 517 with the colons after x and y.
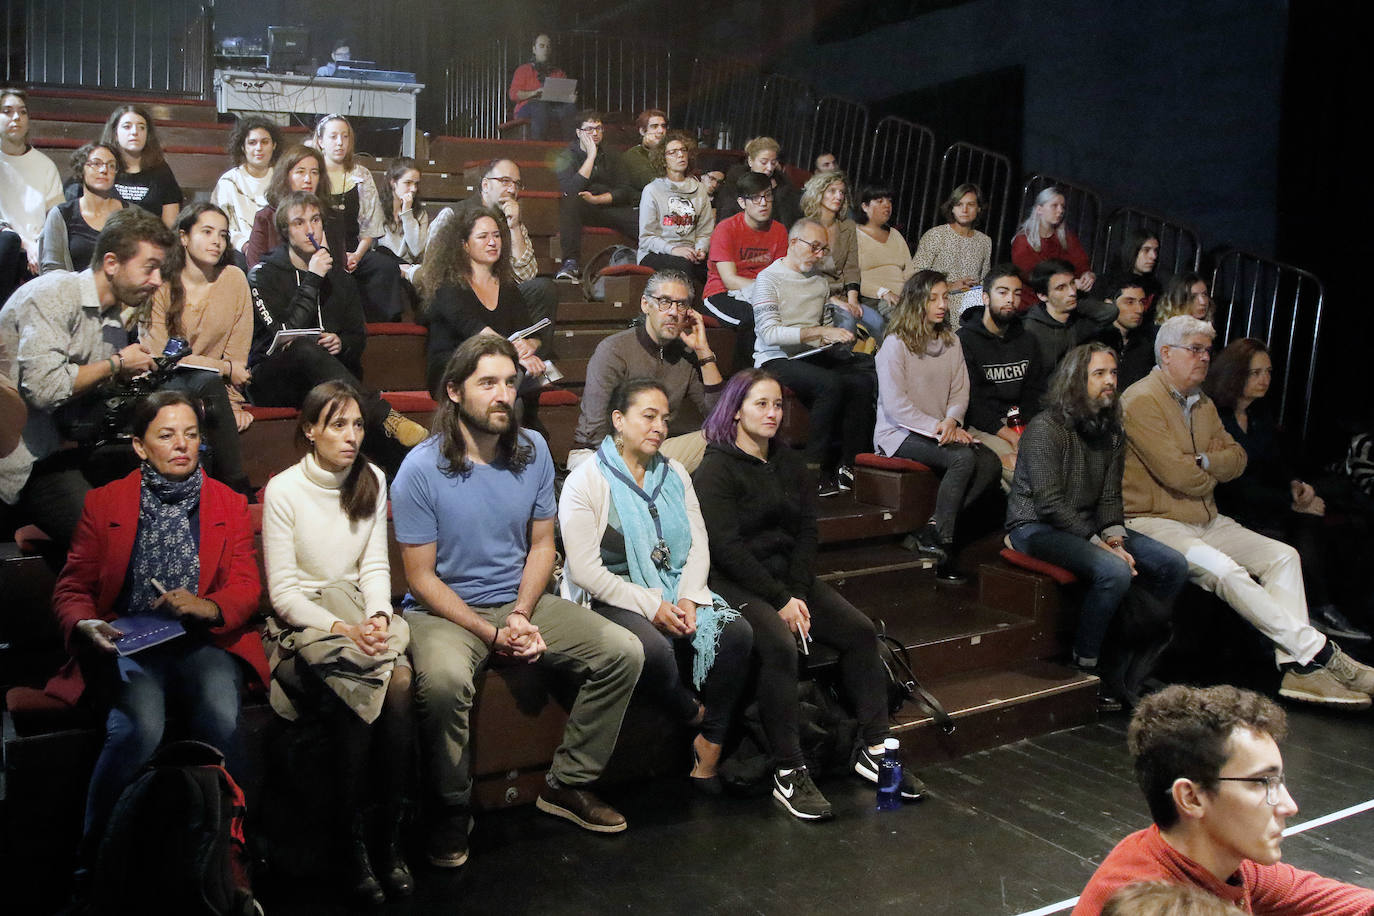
x: 1160, y: 569
x: 201, y: 680
x: 871, y: 319
x: 558, y: 117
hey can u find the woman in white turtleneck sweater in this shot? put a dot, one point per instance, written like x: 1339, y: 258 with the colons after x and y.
x: 675, y: 214
x: 335, y: 649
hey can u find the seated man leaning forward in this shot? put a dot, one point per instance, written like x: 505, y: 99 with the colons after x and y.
x: 471, y: 597
x: 1177, y: 452
x: 1208, y: 762
x: 668, y: 346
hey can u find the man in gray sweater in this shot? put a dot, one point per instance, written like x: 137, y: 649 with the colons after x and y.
x: 1065, y: 505
x: 670, y: 346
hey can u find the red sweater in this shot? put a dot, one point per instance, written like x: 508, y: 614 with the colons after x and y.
x: 1260, y: 889
x: 1025, y: 258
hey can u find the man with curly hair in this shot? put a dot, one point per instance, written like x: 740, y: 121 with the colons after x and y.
x: 1208, y: 762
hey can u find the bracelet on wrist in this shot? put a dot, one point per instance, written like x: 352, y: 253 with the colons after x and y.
x: 114, y: 370
x: 495, y: 638
x: 704, y: 360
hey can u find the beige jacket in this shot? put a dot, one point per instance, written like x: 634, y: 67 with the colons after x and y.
x: 1162, y: 477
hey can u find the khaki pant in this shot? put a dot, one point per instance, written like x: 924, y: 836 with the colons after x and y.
x: 447, y: 657
x: 1001, y: 448
x: 688, y: 449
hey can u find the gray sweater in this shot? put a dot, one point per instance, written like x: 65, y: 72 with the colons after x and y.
x: 1067, y: 481
x: 785, y: 301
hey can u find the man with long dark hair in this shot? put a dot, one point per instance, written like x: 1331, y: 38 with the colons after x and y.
x: 474, y: 511
x: 1065, y: 503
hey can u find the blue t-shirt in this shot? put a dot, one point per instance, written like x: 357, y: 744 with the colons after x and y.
x: 479, y: 523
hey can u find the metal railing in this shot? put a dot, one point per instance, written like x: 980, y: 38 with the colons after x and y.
x: 964, y: 162
x: 618, y: 76
x: 838, y: 126
x: 786, y: 109
x: 1180, y: 246
x: 722, y: 99
x: 1282, y: 305
x: 110, y: 45
x: 903, y: 154
x: 1082, y: 208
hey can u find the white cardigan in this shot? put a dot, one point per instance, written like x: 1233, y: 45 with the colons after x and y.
x: 583, y: 512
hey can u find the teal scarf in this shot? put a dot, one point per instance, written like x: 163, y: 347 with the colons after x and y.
x: 653, y: 519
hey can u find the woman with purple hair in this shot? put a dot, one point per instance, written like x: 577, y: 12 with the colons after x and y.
x: 760, y: 515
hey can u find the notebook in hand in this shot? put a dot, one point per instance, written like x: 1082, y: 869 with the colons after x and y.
x: 143, y: 631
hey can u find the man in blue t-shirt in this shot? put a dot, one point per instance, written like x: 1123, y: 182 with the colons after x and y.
x: 474, y: 512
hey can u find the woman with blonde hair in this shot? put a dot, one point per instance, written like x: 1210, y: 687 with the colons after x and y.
x: 923, y: 391
x: 1042, y: 237
x: 825, y: 198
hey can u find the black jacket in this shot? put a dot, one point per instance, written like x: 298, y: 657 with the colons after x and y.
x: 1135, y: 354
x: 285, y: 297
x: 1054, y: 339
x: 1003, y: 372
x: 607, y: 175
x: 761, y: 520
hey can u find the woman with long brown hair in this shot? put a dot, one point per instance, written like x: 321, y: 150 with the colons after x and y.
x: 300, y: 168
x: 923, y: 393
x: 144, y: 180
x: 206, y: 302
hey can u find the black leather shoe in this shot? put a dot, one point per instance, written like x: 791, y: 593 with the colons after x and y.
x: 391, y: 861
x: 366, y: 888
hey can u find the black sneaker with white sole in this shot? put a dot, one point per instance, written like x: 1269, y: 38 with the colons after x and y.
x: 866, y: 765
x: 799, y: 795
x: 844, y: 476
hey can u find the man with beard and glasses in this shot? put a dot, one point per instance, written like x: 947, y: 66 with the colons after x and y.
x: 65, y: 338
x: 670, y: 347
x: 1004, y: 369
x: 474, y: 511
x: 1065, y: 504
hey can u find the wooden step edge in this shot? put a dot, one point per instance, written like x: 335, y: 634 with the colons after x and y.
x: 914, y: 563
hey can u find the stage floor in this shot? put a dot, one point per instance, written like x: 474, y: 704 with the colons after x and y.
x: 1008, y: 831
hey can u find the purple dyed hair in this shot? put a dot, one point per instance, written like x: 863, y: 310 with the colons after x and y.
x: 721, y: 426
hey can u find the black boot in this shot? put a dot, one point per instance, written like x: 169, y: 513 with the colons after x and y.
x: 926, y: 542
x: 391, y: 860
x: 366, y: 888
x: 947, y: 571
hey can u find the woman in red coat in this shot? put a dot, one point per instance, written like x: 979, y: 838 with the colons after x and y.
x: 165, y: 541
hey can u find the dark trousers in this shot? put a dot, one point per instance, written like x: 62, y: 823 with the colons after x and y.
x: 14, y: 263
x: 672, y: 262
x: 54, y: 496
x: 835, y: 623
x: 540, y: 295
x: 967, y: 471
x: 221, y: 431
x: 840, y: 394
x: 286, y: 377
x: 737, y: 314
x: 665, y: 658
x: 550, y: 120
x: 379, y: 283
x: 574, y: 213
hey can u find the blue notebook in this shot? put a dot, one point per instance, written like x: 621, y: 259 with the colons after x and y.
x: 143, y: 631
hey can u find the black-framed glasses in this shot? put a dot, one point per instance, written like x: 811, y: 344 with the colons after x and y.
x: 667, y: 303
x: 761, y: 198
x: 817, y: 248
x: 1272, y: 784
x: 514, y: 183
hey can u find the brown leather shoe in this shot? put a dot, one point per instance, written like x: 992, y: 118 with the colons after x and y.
x: 582, y: 808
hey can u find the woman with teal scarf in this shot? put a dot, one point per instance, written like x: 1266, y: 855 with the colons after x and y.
x: 637, y: 554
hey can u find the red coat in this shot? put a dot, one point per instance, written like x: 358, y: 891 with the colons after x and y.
x: 99, y: 561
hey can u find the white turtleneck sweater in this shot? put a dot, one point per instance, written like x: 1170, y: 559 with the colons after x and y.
x: 308, y: 542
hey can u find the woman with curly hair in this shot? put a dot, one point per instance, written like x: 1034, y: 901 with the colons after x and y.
x: 675, y: 213
x: 70, y: 231
x: 923, y: 392
x: 241, y: 192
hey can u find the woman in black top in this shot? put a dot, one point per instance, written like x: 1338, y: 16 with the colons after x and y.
x: 144, y: 179
x: 761, y: 518
x: 1269, y: 497
x: 72, y: 226
x: 467, y: 288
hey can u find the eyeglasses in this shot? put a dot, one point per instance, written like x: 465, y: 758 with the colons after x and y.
x: 592, y: 129
x: 667, y: 303
x: 514, y: 183
x: 676, y: 151
x: 817, y: 248
x: 1272, y: 784
x: 100, y: 165
x: 760, y: 199
x: 1195, y: 349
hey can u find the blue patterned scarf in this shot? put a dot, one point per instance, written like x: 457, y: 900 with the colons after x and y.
x: 164, y: 547
x: 653, y: 519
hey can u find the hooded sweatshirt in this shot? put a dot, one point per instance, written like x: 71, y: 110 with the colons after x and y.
x: 1003, y: 372
x: 286, y: 297
x: 1054, y: 339
x: 674, y: 214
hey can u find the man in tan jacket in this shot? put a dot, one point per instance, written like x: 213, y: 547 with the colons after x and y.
x: 1177, y: 452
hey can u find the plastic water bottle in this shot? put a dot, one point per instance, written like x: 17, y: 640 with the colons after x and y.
x: 890, y: 776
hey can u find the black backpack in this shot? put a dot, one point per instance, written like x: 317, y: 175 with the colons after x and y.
x: 175, y: 843
x: 902, y: 684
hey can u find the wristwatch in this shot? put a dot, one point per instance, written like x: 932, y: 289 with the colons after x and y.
x: 1197, y: 459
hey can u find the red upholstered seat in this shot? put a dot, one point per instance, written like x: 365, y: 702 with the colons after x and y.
x: 33, y: 712
x: 410, y: 401
x: 396, y: 329
x: 31, y: 539
x: 882, y: 462
x: 558, y: 397
x: 273, y: 413
x: 626, y: 270
x: 1028, y: 562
